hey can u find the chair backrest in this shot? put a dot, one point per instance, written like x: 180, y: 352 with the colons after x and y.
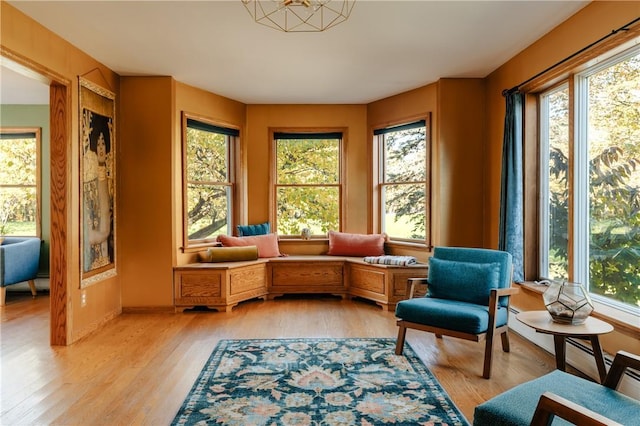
x: 480, y: 256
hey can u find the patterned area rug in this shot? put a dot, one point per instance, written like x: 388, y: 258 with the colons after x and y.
x: 316, y: 382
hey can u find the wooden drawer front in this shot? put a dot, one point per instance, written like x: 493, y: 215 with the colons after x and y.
x: 200, y: 284
x: 366, y: 279
x: 401, y: 286
x: 301, y: 274
x: 247, y: 279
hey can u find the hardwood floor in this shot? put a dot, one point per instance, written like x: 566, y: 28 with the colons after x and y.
x: 138, y: 369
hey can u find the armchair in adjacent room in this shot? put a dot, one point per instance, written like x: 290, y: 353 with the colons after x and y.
x: 467, y: 297
x: 19, y: 260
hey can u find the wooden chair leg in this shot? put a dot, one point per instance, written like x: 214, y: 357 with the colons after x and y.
x: 32, y: 286
x: 402, y: 332
x: 3, y: 295
x: 505, y: 341
x: 488, y: 352
x: 438, y: 336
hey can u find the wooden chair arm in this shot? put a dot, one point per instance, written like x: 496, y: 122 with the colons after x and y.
x: 621, y: 362
x: 550, y: 405
x: 413, y: 282
x: 506, y: 291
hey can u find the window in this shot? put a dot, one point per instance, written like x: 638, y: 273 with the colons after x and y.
x: 208, y: 176
x: 590, y: 186
x: 20, y: 182
x: 308, y: 182
x: 403, y: 156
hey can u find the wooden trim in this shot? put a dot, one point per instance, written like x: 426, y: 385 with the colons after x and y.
x: 60, y: 152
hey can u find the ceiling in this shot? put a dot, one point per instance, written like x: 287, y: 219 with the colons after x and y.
x: 384, y: 48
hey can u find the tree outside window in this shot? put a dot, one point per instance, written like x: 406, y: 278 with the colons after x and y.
x: 208, y: 177
x: 404, y: 171
x: 308, y: 183
x: 598, y: 181
x: 19, y: 182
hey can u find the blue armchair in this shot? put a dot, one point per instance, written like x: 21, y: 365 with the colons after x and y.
x: 467, y: 297
x: 19, y: 260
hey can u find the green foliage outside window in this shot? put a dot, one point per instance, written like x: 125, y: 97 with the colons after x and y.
x: 614, y: 184
x: 404, y: 179
x: 18, y: 186
x: 208, y: 184
x: 307, y: 185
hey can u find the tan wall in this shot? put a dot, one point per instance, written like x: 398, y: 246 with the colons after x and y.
x: 146, y: 188
x: 260, y: 118
x: 457, y: 119
x: 588, y: 25
x: 224, y: 112
x: 30, y: 44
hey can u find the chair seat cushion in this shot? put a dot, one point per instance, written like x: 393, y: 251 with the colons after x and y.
x: 449, y: 314
x: 517, y: 405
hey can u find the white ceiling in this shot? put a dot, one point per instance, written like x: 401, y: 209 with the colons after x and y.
x: 384, y: 48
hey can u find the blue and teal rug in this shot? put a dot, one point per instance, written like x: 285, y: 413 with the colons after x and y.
x: 316, y: 382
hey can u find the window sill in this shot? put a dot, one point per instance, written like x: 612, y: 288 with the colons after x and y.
x: 623, y: 321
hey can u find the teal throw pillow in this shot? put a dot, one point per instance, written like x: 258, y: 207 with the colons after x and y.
x: 462, y: 281
x: 248, y: 230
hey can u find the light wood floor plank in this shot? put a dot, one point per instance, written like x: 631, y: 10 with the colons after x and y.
x: 138, y: 369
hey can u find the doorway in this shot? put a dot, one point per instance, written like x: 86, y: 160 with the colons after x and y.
x: 59, y: 101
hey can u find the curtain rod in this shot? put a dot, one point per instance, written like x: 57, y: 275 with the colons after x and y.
x: 625, y: 27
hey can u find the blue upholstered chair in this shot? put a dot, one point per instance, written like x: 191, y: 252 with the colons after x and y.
x: 559, y: 394
x: 467, y: 297
x: 19, y: 260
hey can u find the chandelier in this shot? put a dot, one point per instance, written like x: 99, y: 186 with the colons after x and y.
x: 299, y: 15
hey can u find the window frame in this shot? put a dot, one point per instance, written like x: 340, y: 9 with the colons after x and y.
x: 37, y: 132
x: 273, y: 182
x: 233, y: 144
x: 379, y: 184
x: 576, y: 81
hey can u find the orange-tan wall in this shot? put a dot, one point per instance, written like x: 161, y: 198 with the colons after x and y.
x: 457, y: 123
x: 353, y: 118
x: 37, y: 48
x: 586, y: 26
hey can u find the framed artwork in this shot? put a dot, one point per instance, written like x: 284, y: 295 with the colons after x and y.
x: 97, y: 183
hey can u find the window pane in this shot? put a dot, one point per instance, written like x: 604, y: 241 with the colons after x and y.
x: 316, y: 208
x: 206, y: 156
x: 18, y: 210
x: 307, y: 161
x: 404, y: 211
x: 614, y: 181
x: 405, y: 156
x: 18, y: 185
x: 558, y: 196
x: 208, y: 210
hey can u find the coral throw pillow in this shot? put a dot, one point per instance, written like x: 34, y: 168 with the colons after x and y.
x: 267, y: 244
x: 346, y: 244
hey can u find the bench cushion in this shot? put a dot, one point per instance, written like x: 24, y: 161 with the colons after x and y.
x: 449, y: 314
x: 517, y: 405
x: 267, y: 244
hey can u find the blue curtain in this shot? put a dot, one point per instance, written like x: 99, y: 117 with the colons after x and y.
x: 511, y: 192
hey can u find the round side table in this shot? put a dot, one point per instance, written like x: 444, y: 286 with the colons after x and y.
x: 591, y: 329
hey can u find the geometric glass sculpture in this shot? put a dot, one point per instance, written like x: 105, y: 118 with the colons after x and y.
x: 567, y: 302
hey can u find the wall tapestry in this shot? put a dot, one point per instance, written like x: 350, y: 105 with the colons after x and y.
x: 97, y: 188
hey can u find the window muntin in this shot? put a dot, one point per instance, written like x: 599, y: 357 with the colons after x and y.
x: 308, y: 182
x: 20, y: 181
x: 404, y: 170
x: 208, y: 175
x: 603, y: 175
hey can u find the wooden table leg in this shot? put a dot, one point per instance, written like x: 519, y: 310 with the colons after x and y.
x: 597, y: 354
x: 561, y: 350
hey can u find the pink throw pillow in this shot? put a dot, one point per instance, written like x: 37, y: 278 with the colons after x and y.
x: 346, y: 244
x: 267, y: 244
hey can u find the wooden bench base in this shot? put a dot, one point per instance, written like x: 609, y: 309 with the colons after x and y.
x: 222, y: 286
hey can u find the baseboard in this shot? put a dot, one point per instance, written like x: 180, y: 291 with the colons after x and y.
x: 579, y: 355
x: 148, y: 310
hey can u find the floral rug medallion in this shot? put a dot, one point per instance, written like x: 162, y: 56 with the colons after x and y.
x: 316, y: 382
